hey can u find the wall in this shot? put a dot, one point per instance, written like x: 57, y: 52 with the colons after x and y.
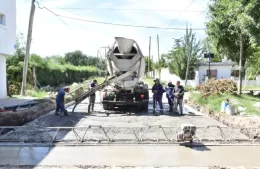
x: 3, y: 92
x: 166, y: 76
x: 249, y: 83
x: 7, y: 39
x: 222, y: 71
x: 8, y: 29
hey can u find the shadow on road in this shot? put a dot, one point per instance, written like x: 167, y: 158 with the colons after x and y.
x: 197, y: 147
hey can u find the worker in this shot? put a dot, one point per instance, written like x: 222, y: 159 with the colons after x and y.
x: 178, y: 92
x: 92, y: 98
x: 169, y: 94
x: 158, y: 91
x: 60, y: 97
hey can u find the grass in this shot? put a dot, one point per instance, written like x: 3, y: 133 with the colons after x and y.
x: 33, y: 93
x: 250, y: 88
x: 214, y: 102
x: 37, y: 94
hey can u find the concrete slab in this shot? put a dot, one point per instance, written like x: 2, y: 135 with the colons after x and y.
x: 13, y: 101
x: 139, y: 118
x: 143, y: 156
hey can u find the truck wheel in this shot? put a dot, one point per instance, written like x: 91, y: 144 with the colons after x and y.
x: 105, y: 106
x: 146, y: 107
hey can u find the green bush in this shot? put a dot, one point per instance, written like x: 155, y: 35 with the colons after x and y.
x: 14, y: 88
x: 53, y: 71
x: 190, y: 88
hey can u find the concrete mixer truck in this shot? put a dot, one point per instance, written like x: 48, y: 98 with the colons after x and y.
x: 125, y: 58
x: 126, y: 68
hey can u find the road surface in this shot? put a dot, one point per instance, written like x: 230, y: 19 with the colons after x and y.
x: 122, y: 155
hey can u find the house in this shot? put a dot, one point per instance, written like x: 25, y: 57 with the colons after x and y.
x: 219, y: 70
x: 7, y: 39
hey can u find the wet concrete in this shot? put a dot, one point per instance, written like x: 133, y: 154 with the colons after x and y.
x: 13, y: 101
x: 156, y: 156
x: 119, y: 119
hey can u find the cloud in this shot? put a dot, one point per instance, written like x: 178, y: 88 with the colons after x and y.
x: 51, y: 36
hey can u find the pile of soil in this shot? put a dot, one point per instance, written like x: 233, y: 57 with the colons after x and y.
x: 23, y: 116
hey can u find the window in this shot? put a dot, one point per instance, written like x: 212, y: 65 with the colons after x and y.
x: 213, y: 73
x: 2, y: 19
x: 235, y: 73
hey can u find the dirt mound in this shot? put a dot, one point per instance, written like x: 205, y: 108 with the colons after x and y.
x: 216, y: 87
x: 26, y: 115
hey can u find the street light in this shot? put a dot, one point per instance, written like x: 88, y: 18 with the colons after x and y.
x: 209, y: 56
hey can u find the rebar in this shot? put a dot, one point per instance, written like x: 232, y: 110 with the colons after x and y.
x: 122, y: 135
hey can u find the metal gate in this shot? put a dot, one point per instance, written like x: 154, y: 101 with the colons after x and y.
x: 98, y: 134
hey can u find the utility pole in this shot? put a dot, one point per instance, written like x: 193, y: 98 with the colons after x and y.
x: 240, y: 64
x: 28, y: 45
x: 158, y: 56
x: 153, y: 72
x: 34, y: 78
x: 98, y: 61
x: 188, y: 63
x: 149, y: 58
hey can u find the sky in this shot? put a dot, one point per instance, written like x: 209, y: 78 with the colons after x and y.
x: 54, y: 35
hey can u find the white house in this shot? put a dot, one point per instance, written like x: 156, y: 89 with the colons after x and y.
x: 7, y: 38
x: 218, y: 70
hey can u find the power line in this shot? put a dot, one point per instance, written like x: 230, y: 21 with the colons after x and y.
x: 116, y: 24
x: 53, y: 13
x: 124, y: 9
x: 184, y: 10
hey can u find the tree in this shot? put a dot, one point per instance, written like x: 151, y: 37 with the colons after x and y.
x: 224, y: 29
x: 209, y: 47
x: 151, y: 64
x: 183, y: 49
x: 76, y: 58
x: 233, y: 27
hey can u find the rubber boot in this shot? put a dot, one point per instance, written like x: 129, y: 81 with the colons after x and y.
x: 92, y: 109
x: 161, y: 112
x: 56, y: 113
x: 155, y: 112
x: 65, y: 113
x: 89, y: 108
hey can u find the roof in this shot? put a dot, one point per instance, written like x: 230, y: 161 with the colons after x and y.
x: 217, y: 63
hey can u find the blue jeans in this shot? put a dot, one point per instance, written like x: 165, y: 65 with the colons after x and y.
x: 170, y: 101
x: 157, y: 99
x: 60, y: 107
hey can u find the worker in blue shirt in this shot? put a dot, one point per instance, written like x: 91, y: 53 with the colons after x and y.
x: 158, y: 91
x: 169, y: 94
x: 60, y: 107
x: 92, y: 98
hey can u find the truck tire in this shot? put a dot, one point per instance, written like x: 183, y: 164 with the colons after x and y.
x: 105, y: 106
x: 146, y: 107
